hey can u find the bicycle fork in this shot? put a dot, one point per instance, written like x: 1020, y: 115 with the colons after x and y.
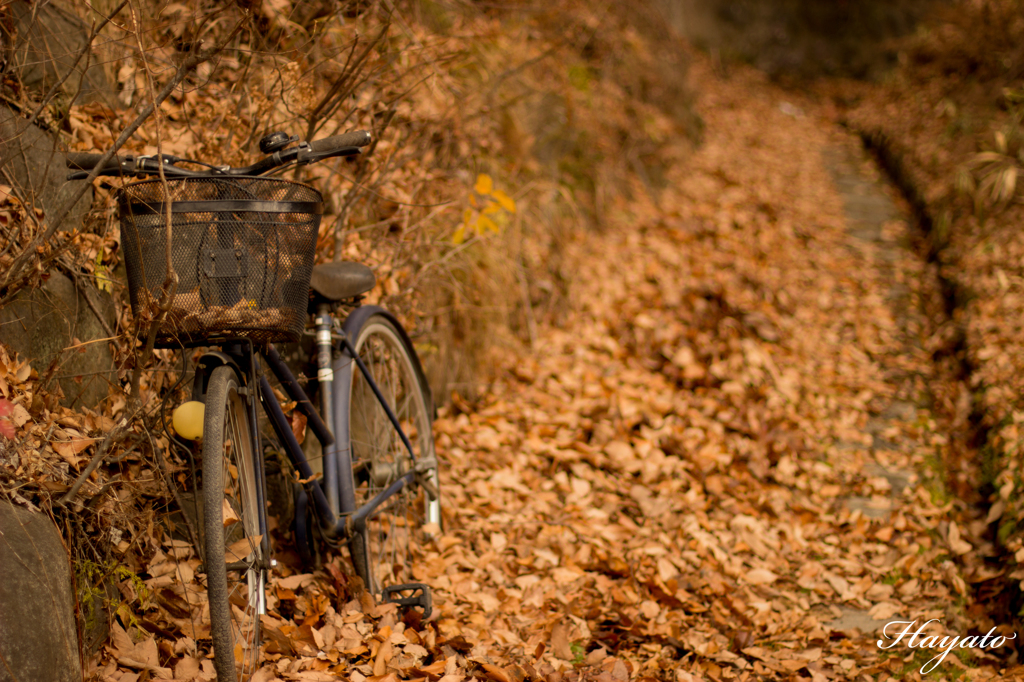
x: 335, y: 439
x: 241, y: 356
x: 335, y: 508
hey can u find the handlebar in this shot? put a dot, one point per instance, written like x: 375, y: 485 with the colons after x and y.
x: 88, y: 160
x: 338, y: 143
x: 347, y: 144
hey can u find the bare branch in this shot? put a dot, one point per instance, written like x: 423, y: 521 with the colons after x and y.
x: 81, y: 54
x: 19, y: 272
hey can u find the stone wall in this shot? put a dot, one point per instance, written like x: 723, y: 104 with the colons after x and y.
x: 40, y: 44
x: 38, y: 632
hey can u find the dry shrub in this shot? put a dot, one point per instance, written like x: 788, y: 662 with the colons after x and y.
x: 564, y: 106
x: 802, y: 39
x: 971, y: 55
x: 982, y: 39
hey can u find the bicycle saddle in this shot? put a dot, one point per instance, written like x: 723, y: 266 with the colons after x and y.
x: 341, y: 280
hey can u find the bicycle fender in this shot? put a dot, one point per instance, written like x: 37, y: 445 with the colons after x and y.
x: 210, y: 361
x: 358, y: 317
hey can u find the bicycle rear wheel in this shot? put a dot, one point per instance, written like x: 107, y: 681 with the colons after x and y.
x: 383, y: 554
x: 234, y: 561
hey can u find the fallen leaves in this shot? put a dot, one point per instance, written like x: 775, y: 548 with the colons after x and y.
x: 70, y: 449
x: 143, y: 655
x: 956, y: 543
x: 968, y: 175
x: 660, y: 490
x: 241, y: 550
x: 672, y: 472
x: 760, y: 576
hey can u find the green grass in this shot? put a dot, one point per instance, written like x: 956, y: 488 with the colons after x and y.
x: 91, y: 578
x: 894, y: 577
x: 935, y: 480
x: 579, y: 654
x: 944, y: 670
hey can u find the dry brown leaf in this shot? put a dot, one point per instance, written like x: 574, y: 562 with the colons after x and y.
x: 228, y: 514
x: 241, y: 549
x: 384, y: 654
x: 560, y: 645
x: 956, y: 543
x: 496, y: 673
x: 294, y: 582
x: 186, y: 669
x: 69, y: 450
x: 760, y: 576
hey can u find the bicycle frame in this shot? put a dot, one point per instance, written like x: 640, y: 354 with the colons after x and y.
x: 334, y: 508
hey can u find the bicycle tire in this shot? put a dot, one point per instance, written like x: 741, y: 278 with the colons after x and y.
x: 229, y: 483
x: 382, y: 554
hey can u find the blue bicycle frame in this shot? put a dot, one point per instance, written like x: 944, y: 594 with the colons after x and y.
x: 338, y: 517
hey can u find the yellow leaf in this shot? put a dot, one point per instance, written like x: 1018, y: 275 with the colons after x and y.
x: 483, y: 222
x: 505, y: 200
x: 492, y: 208
x: 473, y: 202
x: 460, y: 235
x: 1009, y: 184
x: 103, y: 281
x: 484, y: 184
x: 466, y: 215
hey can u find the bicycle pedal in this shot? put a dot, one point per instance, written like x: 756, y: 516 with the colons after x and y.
x: 420, y: 596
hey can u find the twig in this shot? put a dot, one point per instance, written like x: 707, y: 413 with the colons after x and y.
x: 87, y: 290
x: 446, y: 257
x: 91, y: 341
x: 114, y: 437
x: 98, y: 497
x: 16, y: 275
x: 167, y: 297
x: 335, y: 96
x: 531, y: 322
x: 165, y: 473
x: 170, y: 285
x: 56, y: 86
x: 15, y: 104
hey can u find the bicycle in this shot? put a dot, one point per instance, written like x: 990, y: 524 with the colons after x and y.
x: 242, y: 248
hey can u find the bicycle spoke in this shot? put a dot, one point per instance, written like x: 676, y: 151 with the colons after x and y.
x: 383, y: 457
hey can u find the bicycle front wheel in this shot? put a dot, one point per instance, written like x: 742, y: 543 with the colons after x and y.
x: 384, y: 553
x: 234, y: 561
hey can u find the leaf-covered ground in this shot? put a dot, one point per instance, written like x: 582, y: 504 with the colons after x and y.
x: 949, y: 122
x: 717, y: 468
x: 720, y: 465
x: 696, y: 475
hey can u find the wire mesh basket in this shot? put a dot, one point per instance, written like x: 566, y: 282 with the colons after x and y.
x: 242, y: 248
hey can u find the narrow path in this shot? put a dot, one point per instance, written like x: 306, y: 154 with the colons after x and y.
x: 719, y: 467
x: 874, y: 217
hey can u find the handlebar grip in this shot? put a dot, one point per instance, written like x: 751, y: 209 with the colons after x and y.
x: 356, y: 138
x: 88, y: 160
